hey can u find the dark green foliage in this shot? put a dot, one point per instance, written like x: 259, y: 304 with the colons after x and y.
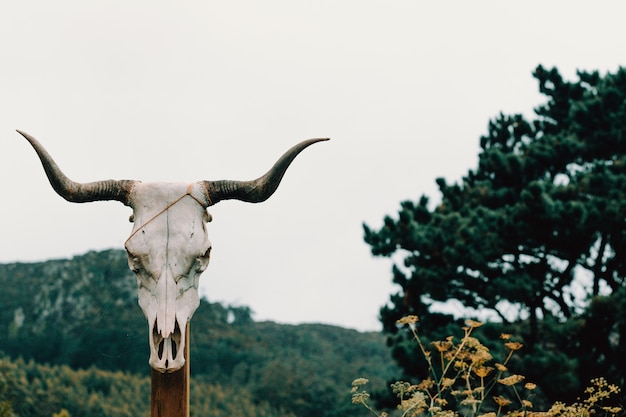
x: 530, y: 236
x: 83, y: 313
x: 603, y: 327
x: 56, y: 312
x: 7, y: 394
x: 40, y: 390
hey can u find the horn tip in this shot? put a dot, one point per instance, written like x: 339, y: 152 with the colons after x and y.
x: 318, y: 140
x: 21, y: 132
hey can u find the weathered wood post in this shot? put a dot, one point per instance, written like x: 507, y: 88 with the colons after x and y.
x: 169, y: 393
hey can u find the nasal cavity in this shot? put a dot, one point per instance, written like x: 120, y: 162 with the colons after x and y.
x: 167, y: 348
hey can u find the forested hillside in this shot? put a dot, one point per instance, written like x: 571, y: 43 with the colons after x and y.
x: 80, y: 317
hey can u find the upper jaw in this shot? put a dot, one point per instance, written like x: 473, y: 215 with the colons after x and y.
x: 167, y: 354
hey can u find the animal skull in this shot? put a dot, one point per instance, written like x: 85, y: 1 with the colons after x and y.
x: 168, y: 247
x: 168, y: 254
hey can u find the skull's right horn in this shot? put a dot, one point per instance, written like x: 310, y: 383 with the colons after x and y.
x: 262, y: 188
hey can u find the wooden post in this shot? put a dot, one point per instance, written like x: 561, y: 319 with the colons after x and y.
x: 169, y: 395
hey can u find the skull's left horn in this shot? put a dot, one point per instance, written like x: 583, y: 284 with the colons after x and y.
x: 256, y: 191
x: 79, y: 192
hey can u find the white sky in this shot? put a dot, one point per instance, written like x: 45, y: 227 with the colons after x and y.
x: 184, y: 91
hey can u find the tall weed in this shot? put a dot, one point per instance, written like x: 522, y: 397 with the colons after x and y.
x: 464, y: 379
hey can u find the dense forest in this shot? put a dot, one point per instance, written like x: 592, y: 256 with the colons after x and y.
x: 74, y: 339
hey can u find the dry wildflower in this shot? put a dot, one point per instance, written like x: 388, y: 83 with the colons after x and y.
x: 470, y: 401
x: 513, y: 345
x: 473, y: 324
x: 400, y: 388
x: 556, y: 409
x: 501, y: 401
x: 601, y: 385
x: 412, y: 388
x: 414, y: 405
x: 473, y: 343
x: 597, y: 385
x: 598, y: 391
x: 359, y: 381
x: 460, y: 365
x: 483, y: 371
x: 360, y: 397
x: 442, y: 346
x: 425, y: 399
x: 425, y: 385
x: 449, y: 355
x: 501, y: 367
x: 442, y: 402
x: 511, y: 380
x: 412, y: 319
x: 448, y: 382
x: 480, y: 356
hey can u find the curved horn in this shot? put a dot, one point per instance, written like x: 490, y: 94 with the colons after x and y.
x: 79, y: 192
x: 257, y: 190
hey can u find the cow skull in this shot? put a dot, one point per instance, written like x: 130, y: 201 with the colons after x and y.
x: 168, y: 247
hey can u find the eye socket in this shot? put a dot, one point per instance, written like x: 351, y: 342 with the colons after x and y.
x: 203, y: 261
x: 135, y: 264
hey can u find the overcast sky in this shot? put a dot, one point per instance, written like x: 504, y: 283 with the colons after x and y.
x: 184, y: 91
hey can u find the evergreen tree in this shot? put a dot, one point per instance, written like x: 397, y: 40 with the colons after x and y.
x: 530, y: 237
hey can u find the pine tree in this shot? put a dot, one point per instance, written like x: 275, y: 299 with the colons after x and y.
x: 530, y: 236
